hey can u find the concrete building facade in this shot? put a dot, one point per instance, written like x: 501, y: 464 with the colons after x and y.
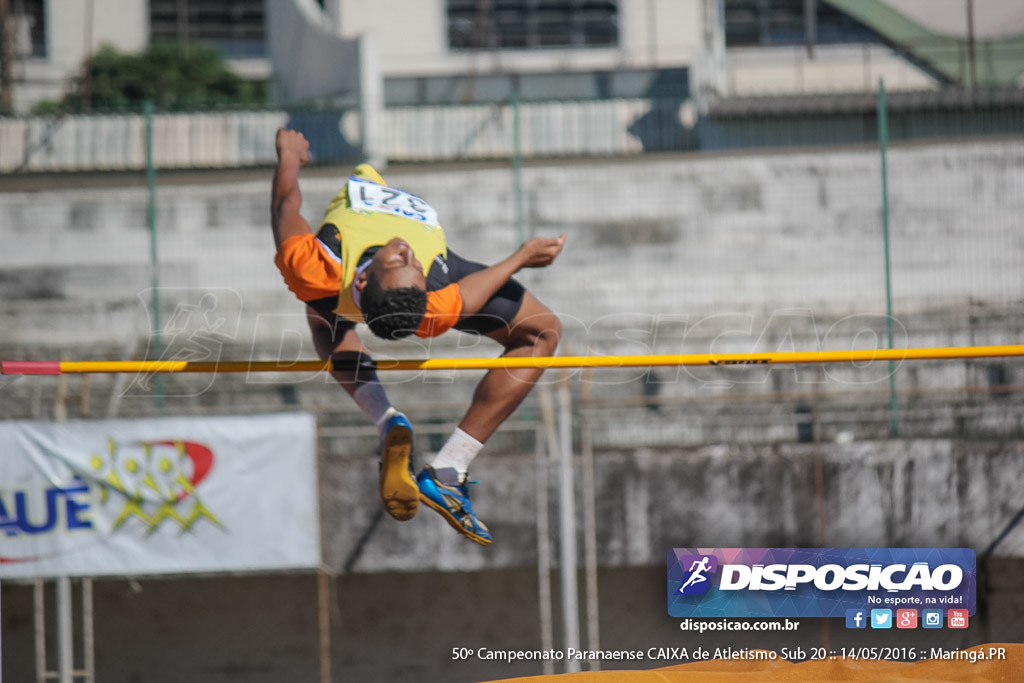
x: 419, y: 41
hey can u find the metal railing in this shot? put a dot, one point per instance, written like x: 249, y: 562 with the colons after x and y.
x: 618, y: 127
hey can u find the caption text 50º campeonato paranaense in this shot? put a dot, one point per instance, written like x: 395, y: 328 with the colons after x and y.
x: 699, y: 654
x: 651, y: 654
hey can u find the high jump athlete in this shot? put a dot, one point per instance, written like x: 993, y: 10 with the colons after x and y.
x: 380, y: 257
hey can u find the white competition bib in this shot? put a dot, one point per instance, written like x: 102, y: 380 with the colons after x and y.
x: 367, y: 196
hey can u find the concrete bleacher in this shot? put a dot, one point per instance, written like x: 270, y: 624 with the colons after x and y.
x: 758, y: 242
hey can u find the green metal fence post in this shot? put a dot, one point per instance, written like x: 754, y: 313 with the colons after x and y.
x: 517, y: 166
x: 883, y: 143
x: 154, y: 261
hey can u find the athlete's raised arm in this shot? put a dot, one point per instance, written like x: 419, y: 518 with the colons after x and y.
x: 286, y: 198
x: 480, y: 286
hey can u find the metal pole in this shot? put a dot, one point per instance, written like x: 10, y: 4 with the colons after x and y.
x: 883, y: 144
x: 371, y: 100
x: 39, y: 619
x: 154, y: 261
x: 810, y: 26
x: 971, y: 56
x: 590, y: 543
x: 65, y: 632
x: 88, y: 633
x: 517, y: 166
x: 323, y: 590
x: 542, y: 458
x: 6, y: 59
x: 567, y: 519
x: 65, y: 610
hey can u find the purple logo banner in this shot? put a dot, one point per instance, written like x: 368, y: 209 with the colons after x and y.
x: 817, y: 582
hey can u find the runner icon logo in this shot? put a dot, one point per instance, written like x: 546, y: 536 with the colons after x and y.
x: 696, y: 580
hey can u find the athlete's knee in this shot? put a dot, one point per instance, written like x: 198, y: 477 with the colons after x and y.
x: 543, y: 332
x: 552, y: 333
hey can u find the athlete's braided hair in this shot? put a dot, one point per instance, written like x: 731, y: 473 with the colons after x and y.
x: 392, y: 313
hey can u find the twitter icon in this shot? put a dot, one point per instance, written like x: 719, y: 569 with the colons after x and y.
x: 881, y: 618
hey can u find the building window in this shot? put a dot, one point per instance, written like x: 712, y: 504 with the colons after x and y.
x: 235, y: 27
x: 29, y: 18
x: 531, y: 24
x: 405, y: 91
x: 763, y: 23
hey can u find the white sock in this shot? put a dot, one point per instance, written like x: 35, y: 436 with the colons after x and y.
x: 373, y: 401
x: 458, y: 452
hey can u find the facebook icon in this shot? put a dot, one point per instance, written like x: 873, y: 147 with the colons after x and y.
x: 856, y: 618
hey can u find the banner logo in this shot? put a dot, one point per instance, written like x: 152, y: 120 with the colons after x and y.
x: 150, y: 481
x: 696, y: 580
x: 157, y: 481
x: 158, y: 496
x: 862, y: 585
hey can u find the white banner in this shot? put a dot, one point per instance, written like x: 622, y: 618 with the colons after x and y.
x: 158, y: 496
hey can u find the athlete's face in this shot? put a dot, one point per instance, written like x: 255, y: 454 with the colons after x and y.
x: 395, y: 265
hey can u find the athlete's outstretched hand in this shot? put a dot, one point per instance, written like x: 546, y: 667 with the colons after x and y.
x: 292, y: 142
x: 540, y: 251
x: 476, y: 288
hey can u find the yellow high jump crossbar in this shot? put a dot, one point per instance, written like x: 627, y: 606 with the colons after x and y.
x: 547, y: 362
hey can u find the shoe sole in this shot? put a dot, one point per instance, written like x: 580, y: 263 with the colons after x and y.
x: 452, y: 522
x: 398, y: 490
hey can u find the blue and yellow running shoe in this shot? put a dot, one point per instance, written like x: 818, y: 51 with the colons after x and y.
x: 398, y: 490
x: 448, y: 494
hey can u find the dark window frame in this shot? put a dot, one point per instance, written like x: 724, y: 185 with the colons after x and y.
x: 769, y: 23
x: 35, y: 12
x: 237, y: 28
x: 531, y: 24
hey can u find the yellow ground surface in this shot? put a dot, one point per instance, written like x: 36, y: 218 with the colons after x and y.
x: 989, y: 669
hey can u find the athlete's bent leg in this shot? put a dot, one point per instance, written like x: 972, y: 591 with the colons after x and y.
x: 535, y: 331
x: 443, y: 484
x: 398, y: 490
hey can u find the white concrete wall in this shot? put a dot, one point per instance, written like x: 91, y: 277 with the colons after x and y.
x: 73, y: 34
x: 833, y: 69
x: 916, y: 493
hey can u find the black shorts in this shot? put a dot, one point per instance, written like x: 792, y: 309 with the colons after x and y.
x: 499, y: 311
